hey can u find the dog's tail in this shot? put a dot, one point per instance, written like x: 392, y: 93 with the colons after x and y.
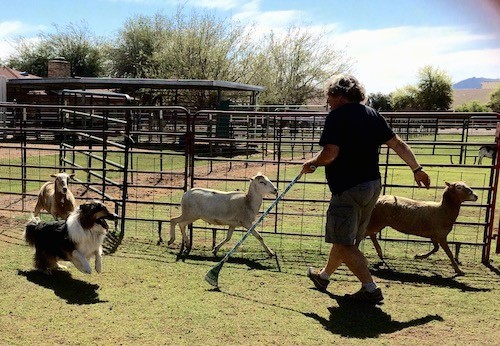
x: 31, y: 230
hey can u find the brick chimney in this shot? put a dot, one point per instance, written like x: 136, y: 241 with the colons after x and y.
x: 58, y: 68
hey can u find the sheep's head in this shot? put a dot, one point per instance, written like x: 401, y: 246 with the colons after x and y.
x: 61, y: 182
x: 462, y: 191
x: 264, y: 185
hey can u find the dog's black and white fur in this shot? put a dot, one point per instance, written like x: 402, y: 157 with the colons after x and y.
x: 76, y: 240
x: 486, y: 151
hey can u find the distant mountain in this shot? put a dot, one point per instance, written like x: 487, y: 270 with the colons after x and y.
x: 473, y: 83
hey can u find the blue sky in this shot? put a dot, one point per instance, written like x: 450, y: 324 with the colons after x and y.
x: 388, y: 40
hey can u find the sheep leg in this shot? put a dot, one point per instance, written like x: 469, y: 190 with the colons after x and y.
x: 436, y: 247
x: 261, y: 240
x: 373, y: 237
x: 173, y: 223
x: 160, y: 239
x: 38, y: 208
x: 185, y: 240
x: 376, y: 244
x: 228, y: 237
x: 446, y: 248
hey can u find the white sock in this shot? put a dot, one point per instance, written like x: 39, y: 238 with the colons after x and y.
x: 370, y: 287
x: 324, y: 275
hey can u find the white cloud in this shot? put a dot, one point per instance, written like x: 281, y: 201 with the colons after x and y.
x: 262, y: 22
x: 390, y: 58
x: 224, y: 5
x: 10, y: 30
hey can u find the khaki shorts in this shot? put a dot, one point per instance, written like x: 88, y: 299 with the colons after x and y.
x: 349, y: 213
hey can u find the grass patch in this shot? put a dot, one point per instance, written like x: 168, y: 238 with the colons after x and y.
x: 144, y: 296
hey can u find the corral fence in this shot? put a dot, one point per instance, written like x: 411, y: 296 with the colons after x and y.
x: 141, y: 159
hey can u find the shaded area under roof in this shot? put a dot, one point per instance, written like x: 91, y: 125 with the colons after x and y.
x: 86, y: 83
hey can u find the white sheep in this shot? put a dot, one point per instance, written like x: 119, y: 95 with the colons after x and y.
x: 486, y: 151
x: 234, y: 208
x: 56, y: 197
x: 426, y: 219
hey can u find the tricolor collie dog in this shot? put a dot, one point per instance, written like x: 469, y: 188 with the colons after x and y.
x: 76, y: 239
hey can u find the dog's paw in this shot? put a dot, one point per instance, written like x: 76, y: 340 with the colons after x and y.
x: 86, y: 270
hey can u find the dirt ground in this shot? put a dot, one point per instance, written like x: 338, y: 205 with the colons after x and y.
x: 152, y: 184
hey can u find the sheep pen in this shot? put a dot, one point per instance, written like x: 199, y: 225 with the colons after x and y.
x: 158, y: 175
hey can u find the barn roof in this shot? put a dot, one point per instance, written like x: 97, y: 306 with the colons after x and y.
x: 11, y: 73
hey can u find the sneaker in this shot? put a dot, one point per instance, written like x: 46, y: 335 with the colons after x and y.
x: 321, y: 284
x: 363, y: 296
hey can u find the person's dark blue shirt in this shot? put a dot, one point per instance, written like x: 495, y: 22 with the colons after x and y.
x: 358, y: 131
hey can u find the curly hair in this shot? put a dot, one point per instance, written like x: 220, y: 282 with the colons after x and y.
x: 347, y: 86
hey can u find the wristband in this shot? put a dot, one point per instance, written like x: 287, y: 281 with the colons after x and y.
x: 418, y: 169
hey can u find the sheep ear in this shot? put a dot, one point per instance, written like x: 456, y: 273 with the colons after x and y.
x: 53, y: 175
x: 447, y: 183
x: 72, y: 176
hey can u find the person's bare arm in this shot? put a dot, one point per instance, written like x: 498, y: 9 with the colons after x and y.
x: 404, y: 151
x: 322, y: 158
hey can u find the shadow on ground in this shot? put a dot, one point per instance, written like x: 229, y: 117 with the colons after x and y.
x: 434, y: 280
x: 364, y: 321
x: 72, y: 290
x: 250, y: 263
x: 493, y: 269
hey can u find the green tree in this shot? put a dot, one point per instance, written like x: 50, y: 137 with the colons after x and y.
x: 295, y: 66
x: 202, y: 46
x: 75, y: 42
x: 405, y: 98
x: 434, y: 89
x: 31, y: 57
x: 494, y: 103
x: 472, y: 106
x: 380, y: 101
x: 132, y: 54
x: 198, y: 46
x: 194, y: 46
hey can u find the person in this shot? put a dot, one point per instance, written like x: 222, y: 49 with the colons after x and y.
x: 350, y: 141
